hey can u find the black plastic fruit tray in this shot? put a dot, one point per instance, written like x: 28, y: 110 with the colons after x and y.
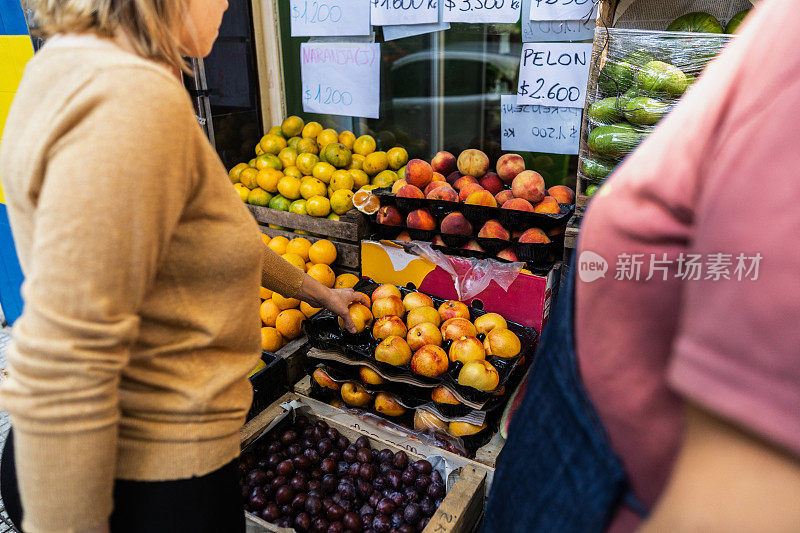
x: 324, y: 333
x: 511, y: 219
x: 269, y: 383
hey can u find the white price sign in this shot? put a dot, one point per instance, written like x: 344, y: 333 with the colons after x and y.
x: 537, y: 128
x: 563, y: 9
x: 391, y: 33
x: 341, y: 79
x: 556, y: 30
x: 481, y: 11
x: 395, y: 12
x: 554, y: 74
x: 314, y: 18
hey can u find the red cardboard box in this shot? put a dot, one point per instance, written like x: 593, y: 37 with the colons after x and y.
x: 527, y: 300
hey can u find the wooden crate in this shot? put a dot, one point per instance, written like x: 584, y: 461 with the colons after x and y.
x: 459, y: 512
x: 485, y: 456
x: 345, y: 233
x: 295, y: 354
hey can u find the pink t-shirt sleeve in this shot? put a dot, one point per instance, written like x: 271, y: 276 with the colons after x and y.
x: 737, y: 348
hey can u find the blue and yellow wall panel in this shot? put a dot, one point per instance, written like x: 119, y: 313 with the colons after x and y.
x: 15, y: 51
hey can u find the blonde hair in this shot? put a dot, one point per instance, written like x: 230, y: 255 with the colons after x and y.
x: 149, y: 24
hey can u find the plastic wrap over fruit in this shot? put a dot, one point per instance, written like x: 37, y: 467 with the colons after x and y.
x: 471, y: 276
x: 641, y: 75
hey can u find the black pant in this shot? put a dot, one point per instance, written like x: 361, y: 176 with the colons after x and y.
x: 208, y: 504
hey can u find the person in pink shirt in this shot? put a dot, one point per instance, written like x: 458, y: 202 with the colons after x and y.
x: 687, y: 347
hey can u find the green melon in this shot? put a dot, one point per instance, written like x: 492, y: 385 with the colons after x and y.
x: 697, y: 22
x: 735, y: 21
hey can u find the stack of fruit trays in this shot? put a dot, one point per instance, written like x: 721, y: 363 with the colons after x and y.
x: 643, y: 74
x: 464, y: 209
x: 434, y: 365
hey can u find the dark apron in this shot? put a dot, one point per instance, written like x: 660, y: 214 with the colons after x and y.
x: 557, y: 471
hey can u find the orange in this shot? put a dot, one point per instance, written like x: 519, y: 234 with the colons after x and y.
x: 326, y: 137
x: 337, y: 155
x: 276, y: 130
x: 356, y: 162
x: 397, y: 157
x: 305, y: 163
x: 322, y: 252
x: 348, y: 139
x: 360, y: 178
x: 264, y: 293
x: 299, y: 246
x: 311, y: 130
x: 266, y: 238
x: 318, y: 206
x: 309, y: 265
x: 323, y: 273
x: 268, y: 161
x: 268, y: 178
x: 284, y: 303
x: 345, y: 281
x: 272, y: 144
x: 271, y: 339
x: 366, y: 202
x: 295, y: 260
x: 309, y: 311
x: 375, y: 163
x: 310, y: 186
x: 293, y: 171
x: 279, y: 244
x: 248, y: 178
x: 290, y: 323
x: 385, y: 179
x: 289, y: 187
x: 342, y: 179
x: 364, y: 145
x: 292, y: 126
x: 287, y: 157
x: 243, y: 191
x: 342, y: 201
x: 268, y: 312
x: 307, y: 146
x: 323, y: 172
x: 234, y: 173
x: 259, y: 150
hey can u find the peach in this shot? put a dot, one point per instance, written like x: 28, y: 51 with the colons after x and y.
x: 369, y: 376
x: 445, y: 193
x: 479, y: 374
x: 444, y: 163
x: 430, y: 361
x: 421, y: 219
x: 388, y: 215
x: 455, y: 328
x: 458, y: 428
x: 466, y: 349
x: 468, y: 189
x: 474, y: 246
x: 502, y: 343
x: 384, y: 291
x: 355, y: 395
x: 432, y: 185
x: 562, y: 194
x: 453, y: 309
x: 494, y: 230
x: 410, y: 191
x: 508, y: 254
x: 482, y: 197
x: 456, y: 224
x: 437, y: 177
x: 387, y: 326
x: 489, y: 321
x: 442, y: 394
x: 463, y: 181
x: 473, y: 162
x: 547, y: 205
x: 529, y: 185
x: 422, y: 334
x: 437, y: 240
x: 491, y: 183
x: 403, y: 236
x: 413, y: 300
x: 418, y: 173
x: 508, y: 166
x: 534, y: 235
x: 453, y: 177
x: 397, y: 185
x: 504, y: 196
x: 426, y: 420
x: 393, y: 350
x: 324, y: 380
x: 360, y: 315
x: 421, y: 314
x: 391, y: 305
x: 387, y: 404
x: 518, y: 204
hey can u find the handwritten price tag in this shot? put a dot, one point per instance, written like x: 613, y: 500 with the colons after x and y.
x: 563, y: 9
x: 481, y: 11
x: 536, y: 128
x: 391, y: 33
x: 341, y: 79
x: 395, y: 12
x: 553, y: 30
x: 329, y: 17
x: 554, y: 74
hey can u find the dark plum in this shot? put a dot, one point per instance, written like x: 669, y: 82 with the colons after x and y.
x: 395, y: 479
x: 312, y: 454
x: 412, y: 513
x: 423, y: 467
x: 332, y: 434
x: 398, y: 498
x: 379, y: 481
x: 294, y: 449
x: 366, y: 509
x: 364, y: 488
x: 301, y: 421
x: 270, y: 475
x: 366, y: 471
x: 409, y: 477
x: 274, y: 447
x: 400, y: 460
x: 385, y: 468
x: 283, y: 522
x: 318, y: 434
x: 342, y: 442
x: 335, y: 513
x: 288, y: 437
x: 436, y: 477
x: 354, y: 469
x: 386, y: 456
x: 364, y: 455
x: 352, y: 522
x: 313, y: 505
x: 411, y: 494
x: 274, y: 460
x: 422, y: 524
x: 362, y: 442
x: 286, y: 510
x: 347, y: 505
x: 256, y: 477
x: 284, y: 495
x: 299, y: 484
x: 271, y: 513
x: 316, y: 473
x: 324, y: 446
x: 407, y: 528
x: 314, y: 485
x: 336, y: 527
x: 342, y: 468
x: 308, y: 443
x: 258, y: 500
x: 321, y: 424
x: 347, y: 490
x: 422, y: 483
x: 320, y: 525
x: 328, y: 466
x: 350, y: 454
x: 308, y: 432
x: 374, y: 498
x: 329, y: 483
x: 278, y: 482
x: 385, y: 506
x: 336, y: 455
x: 436, y: 491
x: 397, y: 518
x: 301, y: 462
x: 299, y: 501
x: 285, y: 468
x: 427, y: 506
x: 381, y: 523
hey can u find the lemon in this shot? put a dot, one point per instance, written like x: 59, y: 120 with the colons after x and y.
x: 360, y: 178
x: 298, y: 207
x: 234, y: 173
x: 311, y: 130
x: 311, y: 187
x: 342, y: 201
x: 342, y: 179
x: 289, y: 187
x: 243, y: 191
x: 268, y: 178
x: 323, y: 172
x: 259, y: 196
x: 318, y: 206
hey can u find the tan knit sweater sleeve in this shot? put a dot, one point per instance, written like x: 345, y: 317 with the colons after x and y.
x: 108, y: 200
x: 279, y: 275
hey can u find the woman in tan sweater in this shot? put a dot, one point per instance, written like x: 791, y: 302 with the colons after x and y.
x: 128, y: 368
